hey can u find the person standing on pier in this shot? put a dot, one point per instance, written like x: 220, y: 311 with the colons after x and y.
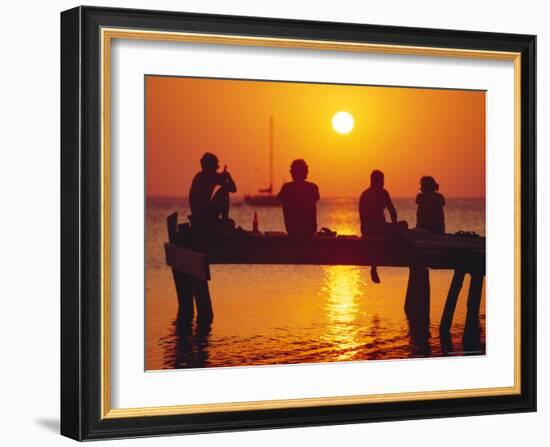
x: 299, y: 199
x: 429, y: 214
x: 209, y: 209
x: 372, y: 204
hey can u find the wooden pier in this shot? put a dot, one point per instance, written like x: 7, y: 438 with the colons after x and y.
x: 190, y: 259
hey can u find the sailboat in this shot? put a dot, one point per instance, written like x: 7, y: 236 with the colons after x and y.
x: 265, y: 196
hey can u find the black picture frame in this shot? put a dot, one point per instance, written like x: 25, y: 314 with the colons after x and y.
x: 81, y: 209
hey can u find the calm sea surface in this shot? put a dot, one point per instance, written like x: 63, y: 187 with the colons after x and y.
x: 283, y: 314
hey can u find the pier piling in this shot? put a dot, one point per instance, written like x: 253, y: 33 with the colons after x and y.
x: 470, y: 336
x: 184, y: 290
x: 417, y: 301
x: 450, y: 303
x: 190, y: 255
x: 205, y: 314
x: 192, y: 291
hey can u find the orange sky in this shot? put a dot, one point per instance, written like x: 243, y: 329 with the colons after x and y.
x: 405, y: 132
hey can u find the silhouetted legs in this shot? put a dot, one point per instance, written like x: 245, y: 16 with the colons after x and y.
x: 384, y: 229
x: 374, y: 274
x: 220, y: 203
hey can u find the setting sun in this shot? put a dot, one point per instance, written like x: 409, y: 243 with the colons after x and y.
x: 400, y: 130
x: 343, y: 122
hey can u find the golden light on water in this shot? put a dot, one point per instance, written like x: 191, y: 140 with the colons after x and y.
x: 342, y: 287
x: 343, y: 122
x: 345, y: 229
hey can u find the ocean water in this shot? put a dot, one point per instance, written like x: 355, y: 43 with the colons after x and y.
x: 287, y: 314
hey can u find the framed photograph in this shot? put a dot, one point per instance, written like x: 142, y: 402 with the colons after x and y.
x: 277, y: 223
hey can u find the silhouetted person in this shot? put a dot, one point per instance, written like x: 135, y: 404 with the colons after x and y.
x: 206, y: 206
x: 372, y: 204
x: 430, y: 215
x: 299, y: 199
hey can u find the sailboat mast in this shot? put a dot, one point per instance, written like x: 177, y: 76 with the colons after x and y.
x: 271, y: 154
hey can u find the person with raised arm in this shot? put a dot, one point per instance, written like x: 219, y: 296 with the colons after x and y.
x: 209, y: 208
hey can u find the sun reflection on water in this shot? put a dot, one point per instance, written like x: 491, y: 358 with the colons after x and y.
x: 344, y: 229
x: 342, y: 289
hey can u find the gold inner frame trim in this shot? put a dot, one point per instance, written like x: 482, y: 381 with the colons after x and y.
x: 107, y: 35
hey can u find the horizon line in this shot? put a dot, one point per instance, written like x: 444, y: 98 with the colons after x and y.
x: 322, y: 198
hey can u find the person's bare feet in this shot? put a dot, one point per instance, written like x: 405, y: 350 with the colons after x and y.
x: 374, y: 275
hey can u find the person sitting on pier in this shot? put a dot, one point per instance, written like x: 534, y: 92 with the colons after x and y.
x: 372, y: 203
x: 429, y: 214
x: 299, y: 199
x: 209, y: 210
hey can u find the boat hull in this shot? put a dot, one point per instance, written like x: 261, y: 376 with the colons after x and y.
x: 263, y: 201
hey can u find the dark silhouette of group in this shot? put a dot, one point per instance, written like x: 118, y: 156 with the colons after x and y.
x: 299, y: 198
x: 210, y: 210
